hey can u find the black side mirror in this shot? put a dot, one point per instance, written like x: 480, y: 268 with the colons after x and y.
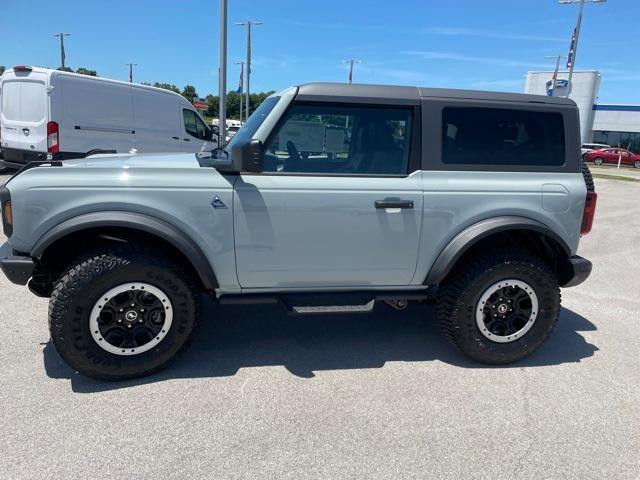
x: 247, y: 157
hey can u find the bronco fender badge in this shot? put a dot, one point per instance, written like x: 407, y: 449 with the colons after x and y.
x: 217, y: 203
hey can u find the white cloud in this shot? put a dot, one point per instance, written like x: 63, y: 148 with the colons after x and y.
x: 473, y: 32
x: 509, y: 84
x: 496, y: 61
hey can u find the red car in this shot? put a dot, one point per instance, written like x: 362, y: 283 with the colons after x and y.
x: 612, y: 155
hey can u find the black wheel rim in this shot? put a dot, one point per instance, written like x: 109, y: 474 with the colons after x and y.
x: 131, y: 318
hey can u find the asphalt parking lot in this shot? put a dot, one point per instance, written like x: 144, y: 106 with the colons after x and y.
x: 265, y: 395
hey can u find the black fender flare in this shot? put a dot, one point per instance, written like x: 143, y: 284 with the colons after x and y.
x: 476, y: 232
x: 134, y: 221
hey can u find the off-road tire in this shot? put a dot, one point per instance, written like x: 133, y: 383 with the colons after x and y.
x: 88, y: 278
x: 461, y: 292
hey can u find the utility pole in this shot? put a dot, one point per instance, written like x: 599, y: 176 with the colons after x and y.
x: 241, y: 85
x: 62, y: 54
x: 575, y: 38
x: 222, y: 75
x: 131, y: 65
x: 351, y: 62
x: 248, y: 23
x: 555, y: 73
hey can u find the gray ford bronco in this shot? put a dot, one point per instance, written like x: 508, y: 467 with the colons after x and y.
x: 332, y: 197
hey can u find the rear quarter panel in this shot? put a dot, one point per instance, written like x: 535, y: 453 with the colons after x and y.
x: 454, y: 201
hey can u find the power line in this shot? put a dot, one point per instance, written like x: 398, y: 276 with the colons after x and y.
x: 62, y: 53
x: 248, y: 24
x: 351, y: 62
x: 131, y: 65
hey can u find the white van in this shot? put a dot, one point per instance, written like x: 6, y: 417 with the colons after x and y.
x: 232, y: 127
x: 52, y: 115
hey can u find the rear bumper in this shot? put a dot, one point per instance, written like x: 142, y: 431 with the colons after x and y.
x: 17, y: 267
x: 16, y: 158
x: 575, y: 271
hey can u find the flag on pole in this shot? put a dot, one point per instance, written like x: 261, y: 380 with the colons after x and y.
x: 240, y: 83
x: 572, y: 49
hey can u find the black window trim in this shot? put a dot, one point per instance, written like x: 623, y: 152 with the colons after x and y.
x: 415, y: 143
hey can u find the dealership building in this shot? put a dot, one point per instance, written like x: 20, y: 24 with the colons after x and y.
x: 615, y: 125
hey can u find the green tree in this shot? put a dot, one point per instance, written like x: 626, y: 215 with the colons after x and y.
x: 166, y: 86
x: 2, y: 69
x: 212, y: 111
x: 233, y: 103
x: 86, y: 71
x: 189, y: 92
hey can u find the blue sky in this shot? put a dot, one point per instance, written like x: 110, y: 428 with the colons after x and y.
x: 488, y: 44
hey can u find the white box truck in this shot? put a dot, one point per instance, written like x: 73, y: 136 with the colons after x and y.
x: 53, y: 115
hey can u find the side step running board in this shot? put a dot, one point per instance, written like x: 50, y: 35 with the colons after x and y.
x: 330, y: 302
x: 366, y: 308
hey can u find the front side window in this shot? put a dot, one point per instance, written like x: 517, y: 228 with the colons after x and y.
x: 194, y: 126
x: 341, y: 140
x: 251, y: 126
x: 502, y: 137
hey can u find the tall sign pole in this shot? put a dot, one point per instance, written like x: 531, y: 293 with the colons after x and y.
x: 575, y: 38
x: 222, y: 75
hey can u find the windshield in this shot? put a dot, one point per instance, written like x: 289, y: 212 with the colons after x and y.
x: 255, y: 120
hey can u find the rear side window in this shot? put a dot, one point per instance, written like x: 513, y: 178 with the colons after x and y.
x: 24, y: 101
x: 495, y: 136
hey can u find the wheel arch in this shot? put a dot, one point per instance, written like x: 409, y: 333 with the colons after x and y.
x: 150, y: 227
x: 504, y: 228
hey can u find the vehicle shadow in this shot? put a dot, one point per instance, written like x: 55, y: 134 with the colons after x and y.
x: 234, y: 337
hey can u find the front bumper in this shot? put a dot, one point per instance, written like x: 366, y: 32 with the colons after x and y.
x: 574, y: 271
x: 17, y: 267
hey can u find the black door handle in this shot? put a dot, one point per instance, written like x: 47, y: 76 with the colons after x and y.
x: 394, y: 203
x: 186, y: 139
x: 176, y: 138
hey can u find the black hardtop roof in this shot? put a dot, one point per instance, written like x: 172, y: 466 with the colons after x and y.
x: 400, y: 94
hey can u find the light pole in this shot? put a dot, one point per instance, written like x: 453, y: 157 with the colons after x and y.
x: 241, y: 85
x: 131, y: 65
x: 248, y: 23
x: 555, y: 73
x: 222, y: 75
x: 571, y: 60
x: 351, y: 62
x: 62, y: 54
